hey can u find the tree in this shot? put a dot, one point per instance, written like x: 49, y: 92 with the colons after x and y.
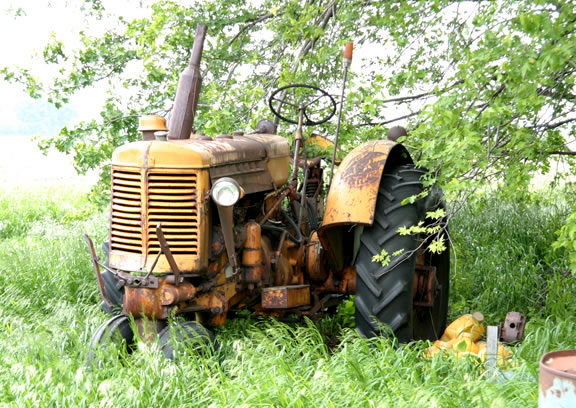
x: 486, y: 87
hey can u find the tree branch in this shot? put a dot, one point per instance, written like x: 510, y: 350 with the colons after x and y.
x: 422, y: 95
x: 386, y: 122
x: 550, y: 126
x: 251, y: 23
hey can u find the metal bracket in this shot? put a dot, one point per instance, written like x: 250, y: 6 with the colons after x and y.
x: 513, y: 327
x: 425, y: 286
x: 95, y: 264
x: 132, y: 281
x: 168, y: 254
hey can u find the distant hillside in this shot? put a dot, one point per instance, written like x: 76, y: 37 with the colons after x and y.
x: 30, y: 117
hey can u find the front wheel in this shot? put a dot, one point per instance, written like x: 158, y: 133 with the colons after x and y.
x: 181, y: 337
x: 116, y: 333
x: 385, y: 295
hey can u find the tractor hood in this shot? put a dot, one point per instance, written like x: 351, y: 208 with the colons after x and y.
x: 200, y: 152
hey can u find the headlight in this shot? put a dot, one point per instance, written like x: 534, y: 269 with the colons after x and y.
x: 226, y: 192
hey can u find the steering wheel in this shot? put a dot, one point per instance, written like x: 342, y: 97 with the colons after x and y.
x: 300, y: 97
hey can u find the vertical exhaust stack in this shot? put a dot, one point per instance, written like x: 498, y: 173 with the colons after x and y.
x: 188, y: 92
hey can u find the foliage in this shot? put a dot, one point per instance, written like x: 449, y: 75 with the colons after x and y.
x: 504, y: 261
x: 383, y: 258
x: 52, y: 310
x: 488, y: 85
x: 567, y: 240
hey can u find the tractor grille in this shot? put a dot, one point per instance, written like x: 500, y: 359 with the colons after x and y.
x: 171, y: 201
x: 126, y: 220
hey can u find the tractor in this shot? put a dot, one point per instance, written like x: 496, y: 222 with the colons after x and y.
x: 203, y: 228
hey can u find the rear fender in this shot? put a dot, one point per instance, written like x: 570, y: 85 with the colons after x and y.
x: 352, y: 197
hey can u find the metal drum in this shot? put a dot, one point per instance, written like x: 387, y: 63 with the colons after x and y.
x: 558, y: 380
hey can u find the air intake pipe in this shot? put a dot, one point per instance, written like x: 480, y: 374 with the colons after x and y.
x: 188, y: 92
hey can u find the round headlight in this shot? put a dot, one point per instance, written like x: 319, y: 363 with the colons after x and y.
x: 226, y: 192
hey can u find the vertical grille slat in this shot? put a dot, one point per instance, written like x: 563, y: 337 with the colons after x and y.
x: 172, y: 201
x: 126, y: 220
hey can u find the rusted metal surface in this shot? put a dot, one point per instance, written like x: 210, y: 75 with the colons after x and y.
x: 558, y: 380
x: 94, y: 260
x: 214, y: 301
x: 156, y: 303
x: 425, y: 285
x: 188, y: 91
x: 271, y: 205
x: 252, y: 259
x: 227, y: 221
x: 144, y: 303
x: 348, y: 281
x: 172, y: 295
x: 273, y: 210
x: 354, y: 191
x: 252, y: 176
x: 345, y: 284
x: 265, y: 126
x: 217, y: 241
x: 285, y: 297
x: 352, y: 196
x: 127, y: 279
x: 149, y: 124
x: 513, y: 327
x: 315, y: 268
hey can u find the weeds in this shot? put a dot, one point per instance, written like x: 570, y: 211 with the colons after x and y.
x: 50, y: 309
x: 505, y: 260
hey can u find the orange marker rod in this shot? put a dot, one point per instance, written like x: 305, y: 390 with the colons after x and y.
x: 348, y: 48
x: 347, y: 62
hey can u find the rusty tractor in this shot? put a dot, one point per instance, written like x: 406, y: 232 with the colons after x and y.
x: 205, y: 227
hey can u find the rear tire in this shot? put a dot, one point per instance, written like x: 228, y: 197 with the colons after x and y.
x: 384, y: 294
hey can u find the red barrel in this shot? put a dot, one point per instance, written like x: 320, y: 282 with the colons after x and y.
x: 558, y: 380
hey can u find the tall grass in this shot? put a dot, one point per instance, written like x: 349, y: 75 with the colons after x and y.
x: 49, y: 309
x: 503, y: 260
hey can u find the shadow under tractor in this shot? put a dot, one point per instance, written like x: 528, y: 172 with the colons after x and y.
x: 204, y: 228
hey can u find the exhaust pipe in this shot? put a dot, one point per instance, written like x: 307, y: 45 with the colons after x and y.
x: 188, y: 92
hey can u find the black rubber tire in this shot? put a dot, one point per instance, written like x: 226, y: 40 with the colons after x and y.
x: 117, y: 331
x: 114, y: 291
x: 384, y: 294
x: 179, y: 337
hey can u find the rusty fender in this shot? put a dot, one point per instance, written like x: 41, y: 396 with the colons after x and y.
x: 353, y: 194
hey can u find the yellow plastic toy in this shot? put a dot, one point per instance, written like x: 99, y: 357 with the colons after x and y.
x: 462, y: 338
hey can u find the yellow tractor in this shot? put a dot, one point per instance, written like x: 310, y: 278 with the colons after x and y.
x: 205, y: 227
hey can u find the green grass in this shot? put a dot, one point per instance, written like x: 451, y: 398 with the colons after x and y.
x: 504, y: 261
x: 50, y: 309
